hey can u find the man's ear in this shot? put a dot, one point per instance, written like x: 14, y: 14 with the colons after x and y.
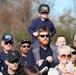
x: 20, y: 48
x: 2, y: 43
x: 6, y: 62
x: 39, y: 14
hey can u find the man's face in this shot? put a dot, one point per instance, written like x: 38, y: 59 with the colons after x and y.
x: 61, y: 41
x: 74, y: 42
x: 7, y: 45
x: 24, y: 48
x: 44, y: 38
x: 12, y: 66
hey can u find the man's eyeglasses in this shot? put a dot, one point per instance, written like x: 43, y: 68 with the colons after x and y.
x: 26, y: 46
x: 15, y: 61
x: 63, y: 56
x: 47, y: 36
x: 8, y: 42
x: 74, y: 52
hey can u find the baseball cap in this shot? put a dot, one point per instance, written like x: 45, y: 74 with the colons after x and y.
x: 13, y: 55
x: 7, y: 37
x: 44, y: 8
x: 25, y: 41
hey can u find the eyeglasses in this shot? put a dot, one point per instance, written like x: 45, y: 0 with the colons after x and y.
x: 63, y: 56
x: 15, y: 61
x: 47, y: 36
x: 74, y: 52
x: 8, y: 42
x: 26, y: 46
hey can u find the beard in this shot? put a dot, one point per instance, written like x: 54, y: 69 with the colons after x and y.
x: 44, y: 42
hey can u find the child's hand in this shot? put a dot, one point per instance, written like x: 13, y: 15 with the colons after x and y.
x: 35, y: 33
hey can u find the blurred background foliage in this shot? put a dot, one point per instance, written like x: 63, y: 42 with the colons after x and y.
x: 16, y: 16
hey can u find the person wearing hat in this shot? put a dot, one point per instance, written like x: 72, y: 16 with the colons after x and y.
x: 13, y: 64
x: 24, y: 47
x: 42, y: 20
x: 7, y: 44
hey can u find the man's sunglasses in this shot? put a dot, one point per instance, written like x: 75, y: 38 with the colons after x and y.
x: 74, y: 52
x: 64, y: 56
x: 26, y: 46
x: 47, y: 36
x: 15, y: 61
x: 8, y: 42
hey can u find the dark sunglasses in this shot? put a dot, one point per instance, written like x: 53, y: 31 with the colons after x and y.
x: 64, y: 56
x: 74, y: 52
x: 8, y: 42
x: 15, y: 61
x: 26, y: 46
x: 47, y: 36
x: 44, y: 13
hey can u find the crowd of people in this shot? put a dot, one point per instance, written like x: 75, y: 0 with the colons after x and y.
x: 41, y: 56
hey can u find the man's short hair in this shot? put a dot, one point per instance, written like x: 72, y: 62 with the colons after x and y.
x: 43, y: 29
x: 60, y: 36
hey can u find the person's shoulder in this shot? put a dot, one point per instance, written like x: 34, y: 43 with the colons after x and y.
x: 36, y: 19
x: 52, y: 71
x: 49, y: 21
x: 4, y: 71
x: 57, y: 66
x: 2, y: 53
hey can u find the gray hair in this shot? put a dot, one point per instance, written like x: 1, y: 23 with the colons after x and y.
x: 62, y: 47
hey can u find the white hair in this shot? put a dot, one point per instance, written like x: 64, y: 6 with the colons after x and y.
x: 60, y: 48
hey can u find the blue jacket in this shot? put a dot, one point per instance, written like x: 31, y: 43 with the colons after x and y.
x: 3, y: 57
x: 43, y: 55
x: 37, y: 23
x: 1, y: 65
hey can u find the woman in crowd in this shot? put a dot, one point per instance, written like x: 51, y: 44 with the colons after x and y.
x: 64, y: 67
x: 73, y: 57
